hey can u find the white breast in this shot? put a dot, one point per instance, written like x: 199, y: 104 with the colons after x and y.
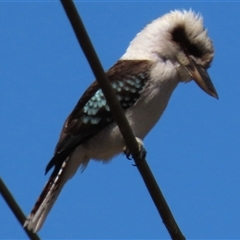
x: 142, y: 116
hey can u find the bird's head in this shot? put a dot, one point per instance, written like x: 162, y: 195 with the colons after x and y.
x: 192, y: 47
x: 179, y: 37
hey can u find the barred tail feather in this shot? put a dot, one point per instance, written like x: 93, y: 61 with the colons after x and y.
x: 46, y: 200
x: 61, y: 174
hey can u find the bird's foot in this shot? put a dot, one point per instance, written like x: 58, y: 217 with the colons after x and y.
x: 142, y: 151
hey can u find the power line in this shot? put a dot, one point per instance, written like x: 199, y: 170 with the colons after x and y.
x: 9, y: 199
x: 121, y: 120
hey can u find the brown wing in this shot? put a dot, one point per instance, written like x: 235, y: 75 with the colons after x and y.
x: 92, y: 112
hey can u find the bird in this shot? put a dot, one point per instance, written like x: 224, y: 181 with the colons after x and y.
x: 172, y: 49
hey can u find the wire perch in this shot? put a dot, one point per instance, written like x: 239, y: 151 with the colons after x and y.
x: 9, y: 199
x: 121, y: 120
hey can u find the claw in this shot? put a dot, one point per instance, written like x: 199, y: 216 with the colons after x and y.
x: 142, y: 151
x: 127, y: 153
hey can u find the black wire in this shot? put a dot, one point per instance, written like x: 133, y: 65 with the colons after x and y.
x: 121, y: 120
x: 7, y: 196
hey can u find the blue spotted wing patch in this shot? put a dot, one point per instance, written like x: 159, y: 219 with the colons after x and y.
x: 92, y: 107
x: 92, y: 112
x: 127, y: 91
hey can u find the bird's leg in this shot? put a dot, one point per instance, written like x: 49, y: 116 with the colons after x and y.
x: 142, y: 151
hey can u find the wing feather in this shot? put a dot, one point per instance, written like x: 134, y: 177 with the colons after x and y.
x: 92, y: 113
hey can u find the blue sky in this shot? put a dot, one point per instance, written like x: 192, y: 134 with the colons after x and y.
x: 193, y: 151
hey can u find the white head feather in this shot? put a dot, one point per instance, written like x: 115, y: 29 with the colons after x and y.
x: 156, y: 38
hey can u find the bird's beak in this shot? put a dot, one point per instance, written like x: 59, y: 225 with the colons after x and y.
x: 201, y: 77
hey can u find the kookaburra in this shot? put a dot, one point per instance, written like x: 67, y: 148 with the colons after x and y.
x: 172, y: 49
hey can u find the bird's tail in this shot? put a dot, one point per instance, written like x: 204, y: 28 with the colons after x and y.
x: 47, y: 198
x: 64, y: 170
